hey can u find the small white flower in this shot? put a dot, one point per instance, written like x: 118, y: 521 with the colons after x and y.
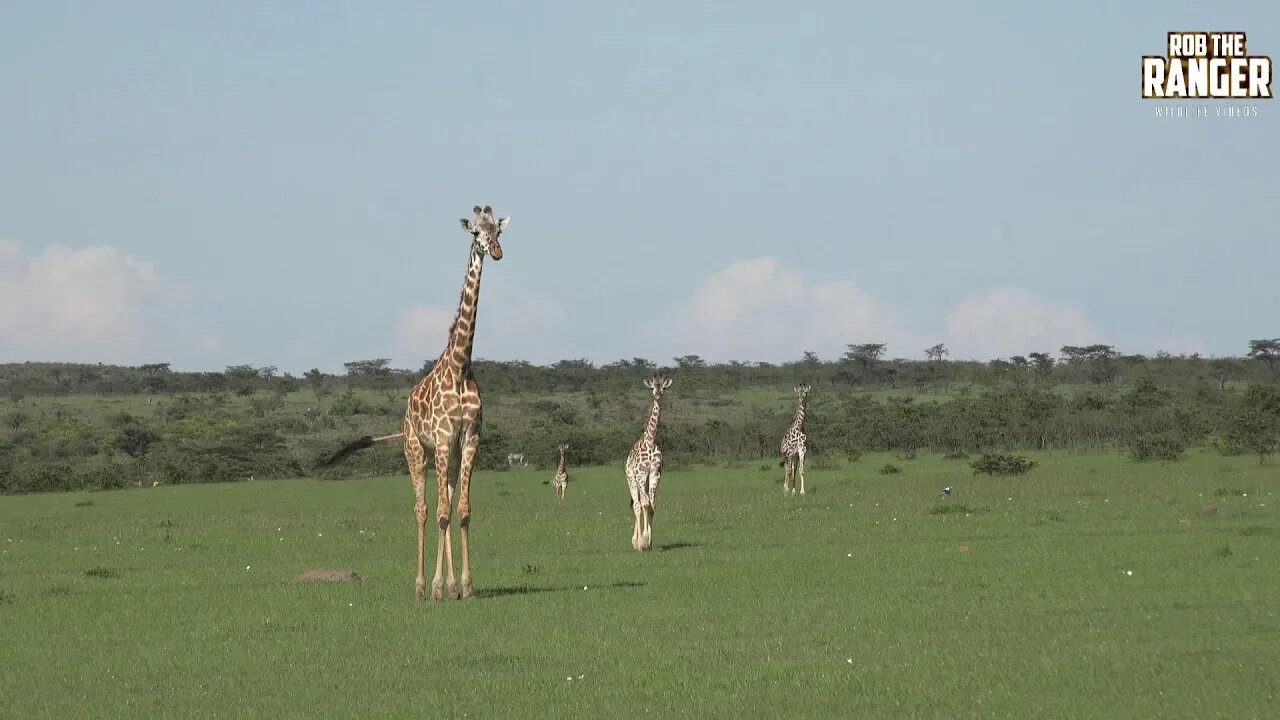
x: 1128, y: 572
x: 850, y: 554
x: 584, y: 587
x: 849, y: 660
x: 246, y: 567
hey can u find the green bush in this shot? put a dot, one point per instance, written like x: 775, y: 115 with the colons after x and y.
x: 1163, y: 446
x: 1000, y: 464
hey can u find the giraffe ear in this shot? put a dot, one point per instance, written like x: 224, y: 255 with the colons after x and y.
x: 648, y: 384
x: 467, y: 225
x: 502, y: 223
x: 666, y: 383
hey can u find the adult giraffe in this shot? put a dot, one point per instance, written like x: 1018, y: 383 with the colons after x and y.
x: 444, y: 416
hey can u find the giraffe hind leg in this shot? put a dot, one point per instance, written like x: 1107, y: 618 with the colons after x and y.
x: 800, y: 468
x: 651, y: 501
x: 416, y: 458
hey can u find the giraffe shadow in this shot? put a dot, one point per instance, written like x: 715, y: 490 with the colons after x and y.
x: 679, y: 545
x: 510, y: 590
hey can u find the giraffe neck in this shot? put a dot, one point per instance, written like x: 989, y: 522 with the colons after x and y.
x: 799, y: 421
x: 651, y: 427
x: 463, y: 331
x: 561, y: 466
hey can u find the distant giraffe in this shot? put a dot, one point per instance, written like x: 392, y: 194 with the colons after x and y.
x: 793, y: 445
x: 561, y: 479
x: 444, y: 416
x: 644, y: 469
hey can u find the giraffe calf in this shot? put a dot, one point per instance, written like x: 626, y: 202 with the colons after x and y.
x: 561, y: 480
x: 644, y: 469
x: 793, y: 445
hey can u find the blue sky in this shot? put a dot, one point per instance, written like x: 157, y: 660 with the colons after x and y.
x: 280, y: 183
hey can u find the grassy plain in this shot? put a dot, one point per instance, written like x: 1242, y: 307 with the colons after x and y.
x: 1093, y: 587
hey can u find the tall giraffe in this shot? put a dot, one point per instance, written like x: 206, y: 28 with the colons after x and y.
x: 644, y: 469
x: 561, y: 479
x: 444, y: 416
x: 793, y: 445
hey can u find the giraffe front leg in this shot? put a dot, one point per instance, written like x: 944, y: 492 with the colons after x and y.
x: 636, y: 509
x: 800, y: 468
x: 443, y: 510
x: 786, y: 475
x: 469, y: 449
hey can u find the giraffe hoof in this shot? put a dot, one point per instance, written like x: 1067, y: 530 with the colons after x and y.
x: 468, y: 591
x: 453, y: 591
x: 420, y: 593
x: 436, y: 595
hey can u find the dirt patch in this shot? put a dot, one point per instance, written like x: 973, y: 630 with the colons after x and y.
x: 1209, y: 510
x: 325, y: 576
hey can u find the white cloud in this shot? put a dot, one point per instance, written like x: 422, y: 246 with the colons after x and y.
x: 91, y: 304
x: 1009, y: 321
x: 759, y: 310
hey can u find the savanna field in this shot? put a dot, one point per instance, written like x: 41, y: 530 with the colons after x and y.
x: 1093, y: 586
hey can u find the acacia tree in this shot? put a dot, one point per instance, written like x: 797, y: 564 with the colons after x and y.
x: 1042, y: 362
x: 937, y: 352
x: 1097, y: 357
x: 1268, y: 351
x: 867, y: 355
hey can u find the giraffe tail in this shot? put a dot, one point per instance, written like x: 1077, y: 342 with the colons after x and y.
x: 365, y: 442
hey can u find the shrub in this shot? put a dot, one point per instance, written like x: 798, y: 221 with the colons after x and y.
x: 1162, y: 446
x: 890, y: 469
x: 999, y: 464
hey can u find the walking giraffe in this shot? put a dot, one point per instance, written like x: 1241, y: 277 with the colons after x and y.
x: 561, y: 479
x: 644, y: 469
x: 444, y: 416
x: 793, y: 445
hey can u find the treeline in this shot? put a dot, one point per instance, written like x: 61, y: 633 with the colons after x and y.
x: 151, y: 424
x: 862, y: 365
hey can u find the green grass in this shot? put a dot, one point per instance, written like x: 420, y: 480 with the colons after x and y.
x: 868, y: 597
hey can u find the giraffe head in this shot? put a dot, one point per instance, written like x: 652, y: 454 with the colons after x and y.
x: 485, y: 229
x: 657, y: 384
x: 801, y: 391
x: 563, y: 448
